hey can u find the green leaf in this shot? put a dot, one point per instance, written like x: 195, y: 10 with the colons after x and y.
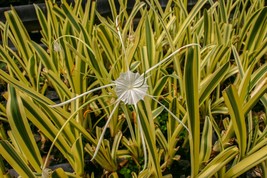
x: 234, y: 105
x: 137, y: 8
x: 78, y: 155
x: 211, y: 82
x: 59, y: 85
x: 103, y: 157
x: 206, y: 141
x: 60, y: 173
x: 71, y: 16
x: 219, y: 162
x: 257, y: 76
x: 21, y: 129
x: 21, y: 36
x: 42, y: 20
x: 115, y: 146
x: 44, y: 57
x: 250, y: 32
x: 42, y: 121
x: 256, y: 95
x: 244, y: 86
x: 150, y: 42
x: 23, y: 87
x: 258, y: 31
x: 223, y: 13
x: 4, y: 54
x: 198, y: 6
x: 191, y: 83
x: 13, y: 158
x: 147, y: 124
x: 247, y: 163
x: 208, y: 27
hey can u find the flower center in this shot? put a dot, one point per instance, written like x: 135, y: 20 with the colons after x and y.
x: 131, y: 87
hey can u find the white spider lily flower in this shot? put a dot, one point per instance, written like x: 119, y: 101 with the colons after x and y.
x: 131, y: 87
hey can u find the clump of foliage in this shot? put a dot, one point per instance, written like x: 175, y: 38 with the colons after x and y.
x: 197, y: 75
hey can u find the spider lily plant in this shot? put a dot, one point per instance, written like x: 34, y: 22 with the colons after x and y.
x: 130, y: 88
x: 134, y: 92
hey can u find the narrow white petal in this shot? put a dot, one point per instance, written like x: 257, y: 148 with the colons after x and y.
x: 104, y: 130
x: 171, y: 55
x: 142, y: 137
x: 81, y: 95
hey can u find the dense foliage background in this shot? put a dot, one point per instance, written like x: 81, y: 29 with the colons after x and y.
x: 204, y: 112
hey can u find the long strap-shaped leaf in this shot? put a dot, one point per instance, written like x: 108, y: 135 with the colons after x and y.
x: 14, y: 159
x: 29, y: 91
x: 189, y: 19
x: 247, y: 163
x: 212, y: 82
x: 145, y: 115
x: 42, y: 100
x: 21, y: 129
x: 206, y: 141
x: 233, y: 102
x: 20, y: 34
x: 40, y: 119
x: 4, y: 54
x: 219, y: 162
x: 191, y: 82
